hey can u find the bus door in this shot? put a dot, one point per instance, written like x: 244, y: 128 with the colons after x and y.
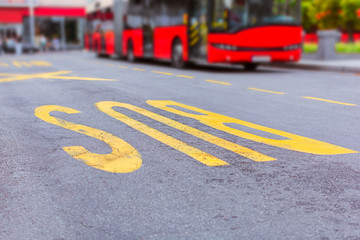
x: 148, y: 27
x: 198, y: 28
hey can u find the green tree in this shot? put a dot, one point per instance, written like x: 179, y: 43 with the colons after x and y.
x: 328, y: 14
x: 349, y: 16
x: 308, y: 15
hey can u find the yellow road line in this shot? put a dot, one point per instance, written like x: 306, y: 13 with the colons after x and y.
x: 17, y: 77
x: 41, y: 63
x: 17, y: 64
x: 184, y: 76
x: 53, y: 75
x: 26, y: 64
x: 139, y: 69
x: 123, y: 67
x: 219, y: 82
x: 165, y: 73
x: 267, y: 91
x: 330, y: 101
x: 109, y: 65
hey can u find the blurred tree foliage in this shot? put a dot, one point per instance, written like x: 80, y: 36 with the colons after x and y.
x: 331, y: 14
x: 349, y: 16
x: 328, y: 14
x: 308, y: 15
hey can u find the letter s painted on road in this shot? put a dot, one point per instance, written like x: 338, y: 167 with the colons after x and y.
x: 123, y: 158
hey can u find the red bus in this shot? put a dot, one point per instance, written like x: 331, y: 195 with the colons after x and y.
x: 244, y: 32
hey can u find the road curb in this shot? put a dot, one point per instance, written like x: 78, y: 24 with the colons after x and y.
x: 300, y: 66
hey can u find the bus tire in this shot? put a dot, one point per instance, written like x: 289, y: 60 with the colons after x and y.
x: 177, y: 53
x: 130, y: 56
x: 251, y: 66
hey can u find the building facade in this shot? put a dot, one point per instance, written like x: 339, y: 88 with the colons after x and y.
x: 60, y: 23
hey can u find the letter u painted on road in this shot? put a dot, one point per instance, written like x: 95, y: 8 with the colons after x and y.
x: 123, y: 158
x: 218, y: 121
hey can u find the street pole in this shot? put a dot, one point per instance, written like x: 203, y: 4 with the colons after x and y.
x: 32, y: 23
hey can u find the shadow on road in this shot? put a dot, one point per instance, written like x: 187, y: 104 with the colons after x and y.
x: 216, y: 68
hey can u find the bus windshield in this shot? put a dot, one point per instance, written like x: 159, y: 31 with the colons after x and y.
x: 230, y: 15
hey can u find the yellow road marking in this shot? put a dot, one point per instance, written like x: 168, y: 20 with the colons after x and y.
x: 201, y: 156
x: 51, y: 75
x: 41, y: 63
x: 165, y: 73
x: 243, y: 151
x: 4, y: 65
x: 109, y: 65
x: 292, y: 142
x: 19, y: 77
x: 267, y: 91
x: 184, y: 76
x: 123, y: 67
x: 26, y: 64
x: 219, y: 82
x: 17, y: 64
x: 123, y: 159
x: 330, y: 101
x: 139, y: 69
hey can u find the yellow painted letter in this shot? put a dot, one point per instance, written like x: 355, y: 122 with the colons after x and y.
x: 201, y: 156
x: 123, y: 159
x: 218, y: 121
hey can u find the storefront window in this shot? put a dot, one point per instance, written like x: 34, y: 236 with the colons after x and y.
x: 55, y: 33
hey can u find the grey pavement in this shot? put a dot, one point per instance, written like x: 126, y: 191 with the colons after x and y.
x: 45, y: 193
x: 342, y: 66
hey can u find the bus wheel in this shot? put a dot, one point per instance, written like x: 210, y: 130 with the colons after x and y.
x: 250, y: 66
x: 130, y: 52
x: 177, y: 59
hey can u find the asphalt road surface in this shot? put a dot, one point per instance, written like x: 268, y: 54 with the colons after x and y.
x: 105, y: 149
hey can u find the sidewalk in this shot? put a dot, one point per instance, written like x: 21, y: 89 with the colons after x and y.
x: 343, y: 66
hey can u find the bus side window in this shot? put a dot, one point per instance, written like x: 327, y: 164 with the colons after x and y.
x: 134, y: 18
x: 163, y: 13
x: 177, y: 11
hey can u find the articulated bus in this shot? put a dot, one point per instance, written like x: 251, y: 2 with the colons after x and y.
x: 244, y: 32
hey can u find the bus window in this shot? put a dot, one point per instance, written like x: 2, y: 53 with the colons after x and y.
x: 134, y: 18
x: 162, y: 13
x: 229, y: 15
